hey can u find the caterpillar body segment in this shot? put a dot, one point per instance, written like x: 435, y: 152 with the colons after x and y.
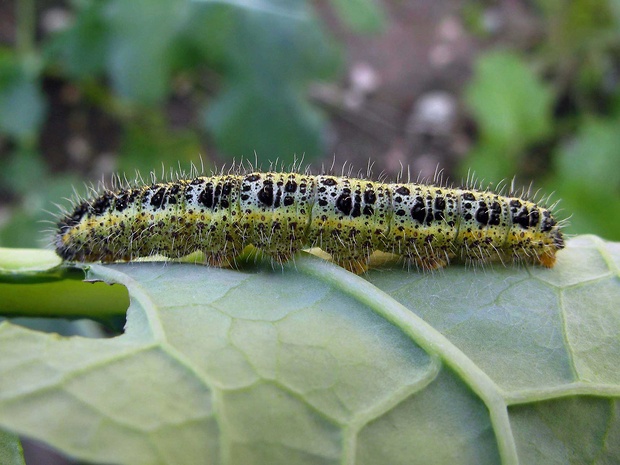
x: 281, y: 213
x: 350, y: 219
x: 276, y: 211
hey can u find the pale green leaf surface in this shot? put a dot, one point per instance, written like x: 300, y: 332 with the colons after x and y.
x: 314, y: 365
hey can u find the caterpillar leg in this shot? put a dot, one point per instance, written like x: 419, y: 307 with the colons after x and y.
x: 547, y: 259
x: 280, y: 258
x: 107, y: 257
x: 353, y: 261
x: 354, y: 266
x: 428, y: 262
x: 219, y: 260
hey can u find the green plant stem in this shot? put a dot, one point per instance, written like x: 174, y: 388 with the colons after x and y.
x: 65, y: 298
x: 33, y: 284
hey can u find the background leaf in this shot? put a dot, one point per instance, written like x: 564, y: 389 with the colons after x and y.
x: 22, y: 104
x: 588, y: 177
x: 508, y: 100
x: 315, y: 365
x: 512, y: 108
x: 140, y: 52
x: 361, y: 15
x: 267, y: 58
x: 81, y: 49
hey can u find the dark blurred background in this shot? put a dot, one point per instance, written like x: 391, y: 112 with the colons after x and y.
x: 504, y: 89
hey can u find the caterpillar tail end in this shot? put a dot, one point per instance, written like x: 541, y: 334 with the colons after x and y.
x: 548, y: 258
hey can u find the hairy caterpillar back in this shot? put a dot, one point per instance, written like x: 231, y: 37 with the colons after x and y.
x: 281, y: 213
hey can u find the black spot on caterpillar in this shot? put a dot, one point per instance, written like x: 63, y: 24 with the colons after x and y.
x: 281, y: 213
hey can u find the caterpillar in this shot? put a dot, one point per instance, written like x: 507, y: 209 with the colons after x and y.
x: 282, y: 212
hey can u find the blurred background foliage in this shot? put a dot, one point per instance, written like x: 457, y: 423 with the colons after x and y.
x: 524, y: 89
